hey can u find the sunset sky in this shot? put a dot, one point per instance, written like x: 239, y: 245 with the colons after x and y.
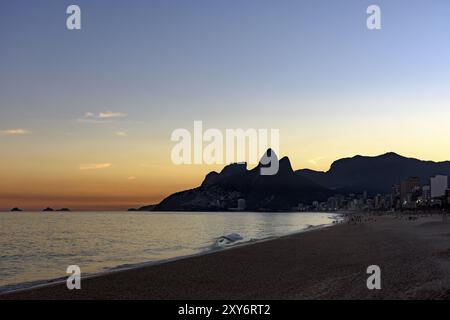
x: 86, y: 115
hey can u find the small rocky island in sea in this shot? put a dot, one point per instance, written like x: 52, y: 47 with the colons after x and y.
x: 16, y: 209
x: 64, y: 209
x: 145, y: 208
x: 48, y: 209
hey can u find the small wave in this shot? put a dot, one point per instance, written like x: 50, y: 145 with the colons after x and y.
x: 123, y: 266
x: 229, y: 239
x: 29, y: 284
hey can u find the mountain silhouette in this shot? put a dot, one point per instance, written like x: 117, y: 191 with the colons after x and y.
x: 221, y: 191
x: 286, y: 189
x: 374, y: 174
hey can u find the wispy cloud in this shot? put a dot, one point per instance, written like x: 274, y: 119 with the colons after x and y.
x: 132, y: 178
x: 109, y: 115
x: 102, y: 117
x: 95, y: 166
x: 120, y: 134
x: 14, y: 132
x: 315, y: 161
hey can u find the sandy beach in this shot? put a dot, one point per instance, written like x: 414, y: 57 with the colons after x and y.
x: 328, y: 263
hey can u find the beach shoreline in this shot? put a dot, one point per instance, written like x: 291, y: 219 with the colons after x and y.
x: 325, y: 263
x: 32, y: 285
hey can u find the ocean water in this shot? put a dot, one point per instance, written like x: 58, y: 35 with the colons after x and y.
x: 36, y: 247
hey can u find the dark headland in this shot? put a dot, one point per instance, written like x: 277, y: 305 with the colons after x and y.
x: 288, y: 188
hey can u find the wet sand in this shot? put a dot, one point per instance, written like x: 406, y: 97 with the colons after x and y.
x: 329, y: 263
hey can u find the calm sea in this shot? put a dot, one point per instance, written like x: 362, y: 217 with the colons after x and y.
x: 36, y: 247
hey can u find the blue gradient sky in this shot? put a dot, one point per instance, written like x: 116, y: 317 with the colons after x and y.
x: 310, y: 68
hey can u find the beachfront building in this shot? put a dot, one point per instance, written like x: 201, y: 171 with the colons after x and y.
x: 241, y: 204
x: 408, y: 188
x: 333, y: 203
x: 378, y: 201
x: 439, y: 185
x: 406, y: 195
x: 426, y: 193
x: 424, y: 200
